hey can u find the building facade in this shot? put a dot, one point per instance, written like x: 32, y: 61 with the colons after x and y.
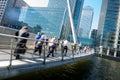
x: 109, y: 24
x: 3, y: 4
x: 94, y: 37
x: 11, y: 14
x: 53, y: 19
x: 76, y: 9
x: 86, y: 22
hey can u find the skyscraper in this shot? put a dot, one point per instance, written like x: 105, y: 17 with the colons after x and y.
x: 11, y: 13
x: 109, y: 27
x: 76, y: 9
x: 2, y: 8
x: 53, y: 18
x: 86, y: 22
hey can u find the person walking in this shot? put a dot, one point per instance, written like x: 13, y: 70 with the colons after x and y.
x: 21, y: 43
x: 65, y: 46
x: 51, y: 45
x: 38, y: 43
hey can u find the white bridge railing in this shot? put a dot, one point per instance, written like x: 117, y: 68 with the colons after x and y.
x: 59, y: 54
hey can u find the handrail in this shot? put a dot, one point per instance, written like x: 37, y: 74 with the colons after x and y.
x: 12, y: 36
x: 44, y: 57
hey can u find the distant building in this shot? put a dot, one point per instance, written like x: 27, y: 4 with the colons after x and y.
x: 76, y: 8
x: 86, y: 22
x: 94, y: 37
x: 3, y: 4
x: 11, y: 13
x: 109, y: 27
x: 53, y: 18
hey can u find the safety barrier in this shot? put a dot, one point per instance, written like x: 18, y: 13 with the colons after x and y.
x: 12, y: 45
x: 109, y: 51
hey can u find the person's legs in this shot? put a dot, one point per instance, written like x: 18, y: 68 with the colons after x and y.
x: 17, y: 56
x: 53, y: 49
x: 35, y: 50
x: 65, y: 50
x: 40, y: 50
x: 49, y: 51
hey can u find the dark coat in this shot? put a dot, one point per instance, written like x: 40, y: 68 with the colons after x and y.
x: 26, y: 35
x: 21, y: 45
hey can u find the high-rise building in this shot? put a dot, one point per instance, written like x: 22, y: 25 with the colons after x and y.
x: 11, y: 13
x: 94, y: 37
x: 109, y: 24
x: 86, y: 22
x: 49, y: 18
x: 2, y: 8
x: 76, y: 9
x: 53, y: 18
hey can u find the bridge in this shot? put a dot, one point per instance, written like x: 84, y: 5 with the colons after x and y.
x: 9, y: 66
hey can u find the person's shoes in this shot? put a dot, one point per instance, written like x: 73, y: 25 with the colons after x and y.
x: 39, y: 54
x: 47, y: 56
x: 17, y: 56
x: 53, y: 56
x: 14, y: 54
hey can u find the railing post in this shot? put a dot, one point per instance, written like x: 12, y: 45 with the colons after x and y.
x: 73, y: 51
x: 62, y: 52
x: 115, y: 52
x: 101, y: 50
x: 44, y: 58
x: 10, y: 61
x: 108, y: 50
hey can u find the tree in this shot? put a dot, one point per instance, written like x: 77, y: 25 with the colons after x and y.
x: 37, y: 28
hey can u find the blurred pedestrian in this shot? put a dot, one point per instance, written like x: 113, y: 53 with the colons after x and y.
x: 21, y: 43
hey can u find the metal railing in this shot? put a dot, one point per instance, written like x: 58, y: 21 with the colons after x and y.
x: 12, y: 46
x: 109, y: 51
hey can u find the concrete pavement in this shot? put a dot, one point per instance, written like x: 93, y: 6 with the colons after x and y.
x: 31, y: 62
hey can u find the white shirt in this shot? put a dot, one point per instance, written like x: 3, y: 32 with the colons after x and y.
x: 65, y: 43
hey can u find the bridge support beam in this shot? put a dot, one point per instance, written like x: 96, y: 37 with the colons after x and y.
x: 71, y: 22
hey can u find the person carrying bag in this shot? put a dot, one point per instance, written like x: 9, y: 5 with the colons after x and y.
x: 21, y: 43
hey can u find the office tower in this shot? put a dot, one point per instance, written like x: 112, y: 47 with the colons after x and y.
x: 94, y: 37
x: 2, y: 8
x: 11, y: 14
x: 109, y: 27
x: 51, y: 18
x: 86, y: 22
x: 76, y: 9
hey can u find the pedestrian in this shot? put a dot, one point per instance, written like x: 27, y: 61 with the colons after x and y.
x: 38, y: 43
x: 21, y: 43
x: 65, y: 46
x: 51, y: 45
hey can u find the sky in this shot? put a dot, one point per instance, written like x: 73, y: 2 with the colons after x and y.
x: 96, y: 5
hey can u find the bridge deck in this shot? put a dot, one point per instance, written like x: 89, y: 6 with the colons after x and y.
x: 34, y: 62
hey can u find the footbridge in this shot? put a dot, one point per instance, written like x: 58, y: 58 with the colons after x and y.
x: 10, y: 66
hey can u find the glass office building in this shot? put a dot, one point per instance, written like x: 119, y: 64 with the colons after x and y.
x: 76, y: 9
x: 86, y: 22
x: 2, y: 8
x: 48, y: 18
x: 109, y: 24
x: 53, y: 19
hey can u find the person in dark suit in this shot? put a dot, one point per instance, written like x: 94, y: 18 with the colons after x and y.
x: 21, y: 43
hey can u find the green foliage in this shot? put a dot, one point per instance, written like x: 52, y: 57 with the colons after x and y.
x: 37, y: 28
